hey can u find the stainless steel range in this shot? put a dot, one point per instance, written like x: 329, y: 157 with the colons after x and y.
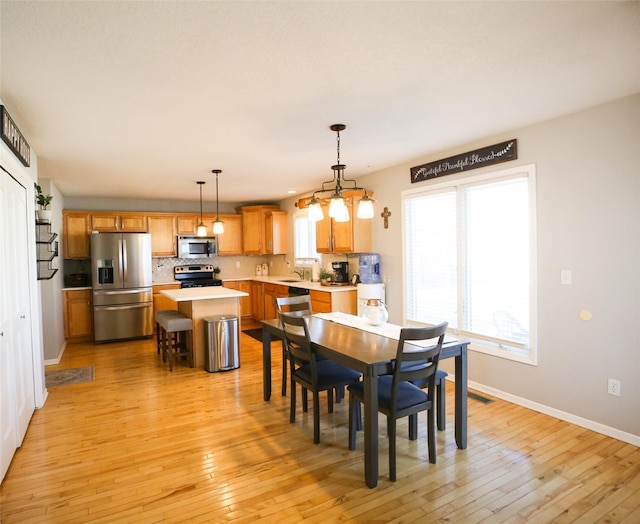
x: 195, y: 276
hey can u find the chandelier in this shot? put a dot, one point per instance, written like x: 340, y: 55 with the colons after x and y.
x: 338, y: 209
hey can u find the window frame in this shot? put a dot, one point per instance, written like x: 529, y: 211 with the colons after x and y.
x: 528, y: 171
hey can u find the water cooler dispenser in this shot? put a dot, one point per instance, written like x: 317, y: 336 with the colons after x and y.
x: 371, y: 285
x: 369, y: 269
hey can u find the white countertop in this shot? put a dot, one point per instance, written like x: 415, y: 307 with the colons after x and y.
x: 202, y: 293
x: 304, y: 284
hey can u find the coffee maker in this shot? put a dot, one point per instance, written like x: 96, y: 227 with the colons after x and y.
x: 340, y: 272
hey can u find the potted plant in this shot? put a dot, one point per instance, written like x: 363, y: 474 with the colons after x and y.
x: 325, y: 276
x: 44, y: 214
x: 216, y: 272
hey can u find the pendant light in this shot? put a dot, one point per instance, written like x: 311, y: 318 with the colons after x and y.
x: 218, y: 225
x: 202, y: 229
x: 338, y: 209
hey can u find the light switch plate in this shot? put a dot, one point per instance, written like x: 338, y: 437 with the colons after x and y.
x: 565, y: 277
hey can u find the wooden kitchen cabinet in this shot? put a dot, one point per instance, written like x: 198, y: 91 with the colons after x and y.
x: 353, y: 236
x: 325, y: 302
x: 254, y: 230
x: 187, y: 224
x: 160, y: 301
x: 230, y: 242
x: 75, y: 235
x: 119, y: 222
x: 257, y: 300
x: 163, y: 235
x: 277, y: 232
x: 246, y: 304
x: 271, y: 292
x: 77, y: 314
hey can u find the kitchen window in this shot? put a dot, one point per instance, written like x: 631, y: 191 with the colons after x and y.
x: 469, y: 249
x: 304, y: 239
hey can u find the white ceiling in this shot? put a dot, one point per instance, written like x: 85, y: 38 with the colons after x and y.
x: 142, y: 99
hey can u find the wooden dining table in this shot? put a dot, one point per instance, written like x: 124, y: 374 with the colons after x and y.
x: 371, y: 354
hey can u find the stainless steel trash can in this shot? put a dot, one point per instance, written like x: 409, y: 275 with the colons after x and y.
x: 221, y: 343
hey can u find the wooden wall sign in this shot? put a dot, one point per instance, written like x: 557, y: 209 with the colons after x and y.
x: 482, y: 157
x: 12, y: 136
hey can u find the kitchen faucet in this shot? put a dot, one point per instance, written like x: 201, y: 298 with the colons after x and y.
x: 300, y: 273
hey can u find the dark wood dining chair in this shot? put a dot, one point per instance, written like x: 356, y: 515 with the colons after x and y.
x: 398, y: 397
x: 312, y: 374
x: 299, y: 305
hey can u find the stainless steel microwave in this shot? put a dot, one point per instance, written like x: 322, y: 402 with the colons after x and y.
x: 197, y: 247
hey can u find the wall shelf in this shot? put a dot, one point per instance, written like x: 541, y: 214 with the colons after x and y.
x: 46, y: 250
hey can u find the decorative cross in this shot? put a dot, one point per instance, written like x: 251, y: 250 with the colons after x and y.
x: 386, y: 214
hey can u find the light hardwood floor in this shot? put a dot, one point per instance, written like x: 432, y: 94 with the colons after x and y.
x: 141, y: 444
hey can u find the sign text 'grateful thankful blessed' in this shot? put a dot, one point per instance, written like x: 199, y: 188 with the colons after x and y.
x: 482, y: 157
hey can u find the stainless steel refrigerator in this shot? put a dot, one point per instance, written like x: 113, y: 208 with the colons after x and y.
x: 122, y: 290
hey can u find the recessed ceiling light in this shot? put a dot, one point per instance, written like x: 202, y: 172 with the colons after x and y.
x: 292, y: 191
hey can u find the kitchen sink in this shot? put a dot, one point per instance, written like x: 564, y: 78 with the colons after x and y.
x: 289, y: 280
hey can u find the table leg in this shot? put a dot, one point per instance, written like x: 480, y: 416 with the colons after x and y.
x: 266, y: 364
x: 461, y: 398
x: 371, y: 430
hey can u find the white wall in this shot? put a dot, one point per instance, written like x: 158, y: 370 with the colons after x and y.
x: 51, y: 290
x: 588, y: 175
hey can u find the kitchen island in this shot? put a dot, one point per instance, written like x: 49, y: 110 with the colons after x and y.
x: 198, y: 303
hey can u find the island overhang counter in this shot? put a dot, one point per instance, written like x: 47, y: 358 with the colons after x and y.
x: 198, y: 303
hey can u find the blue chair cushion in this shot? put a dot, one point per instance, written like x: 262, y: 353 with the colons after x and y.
x: 408, y: 394
x: 329, y: 372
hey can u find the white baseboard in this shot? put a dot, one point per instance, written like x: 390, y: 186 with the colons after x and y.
x: 54, y: 361
x: 630, y: 438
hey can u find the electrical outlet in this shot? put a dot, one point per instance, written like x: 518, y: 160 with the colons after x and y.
x: 565, y: 277
x: 238, y: 265
x: 613, y: 387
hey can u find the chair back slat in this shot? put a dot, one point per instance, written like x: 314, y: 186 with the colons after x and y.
x: 416, y: 362
x: 296, y: 338
x: 300, y: 305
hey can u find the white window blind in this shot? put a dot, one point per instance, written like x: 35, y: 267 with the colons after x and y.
x: 304, y: 239
x: 468, y: 247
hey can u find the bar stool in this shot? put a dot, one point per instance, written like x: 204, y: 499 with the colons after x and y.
x: 158, y: 315
x: 177, y: 338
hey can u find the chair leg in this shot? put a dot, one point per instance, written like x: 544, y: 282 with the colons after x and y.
x: 316, y: 417
x: 391, y: 429
x: 413, y: 426
x: 305, y: 399
x: 292, y: 409
x: 284, y: 370
x: 330, y: 400
x: 431, y: 436
x: 441, y: 400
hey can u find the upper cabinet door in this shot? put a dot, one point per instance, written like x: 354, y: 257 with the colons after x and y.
x: 76, y: 235
x: 229, y: 242
x: 163, y: 235
x: 119, y: 222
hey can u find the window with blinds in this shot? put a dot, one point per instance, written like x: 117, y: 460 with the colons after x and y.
x: 304, y: 239
x: 469, y: 259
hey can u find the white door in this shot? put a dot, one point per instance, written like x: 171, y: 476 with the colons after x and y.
x: 23, y: 370
x: 8, y: 432
x: 17, y: 394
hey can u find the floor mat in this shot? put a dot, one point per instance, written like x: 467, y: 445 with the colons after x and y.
x: 62, y: 377
x: 257, y: 334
